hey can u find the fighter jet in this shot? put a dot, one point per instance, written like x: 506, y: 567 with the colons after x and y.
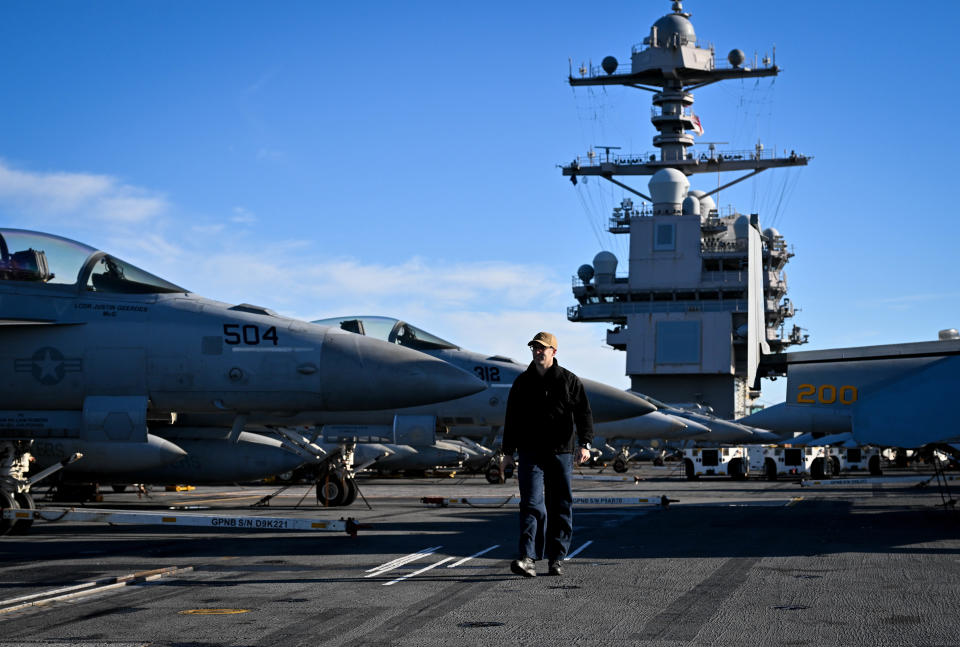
x: 92, y: 348
x: 897, y: 395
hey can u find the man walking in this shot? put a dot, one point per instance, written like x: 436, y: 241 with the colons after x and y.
x: 547, y: 403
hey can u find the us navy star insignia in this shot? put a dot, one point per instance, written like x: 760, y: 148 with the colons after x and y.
x: 48, y: 365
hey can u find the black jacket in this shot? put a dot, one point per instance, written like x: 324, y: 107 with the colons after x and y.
x: 542, y: 412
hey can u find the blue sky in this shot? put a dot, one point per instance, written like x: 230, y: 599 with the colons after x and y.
x: 326, y: 159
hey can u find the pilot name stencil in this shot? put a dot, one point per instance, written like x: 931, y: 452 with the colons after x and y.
x: 111, y: 309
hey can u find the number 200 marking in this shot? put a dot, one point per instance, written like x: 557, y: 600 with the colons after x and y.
x: 826, y: 394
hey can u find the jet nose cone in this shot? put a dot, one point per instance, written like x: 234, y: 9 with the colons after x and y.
x: 694, y: 429
x: 609, y: 403
x: 113, y: 456
x: 652, y: 425
x: 724, y: 431
x: 666, y: 426
x: 369, y: 454
x: 362, y: 374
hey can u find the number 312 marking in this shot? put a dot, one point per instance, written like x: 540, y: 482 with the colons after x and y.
x: 487, y: 373
x: 826, y: 394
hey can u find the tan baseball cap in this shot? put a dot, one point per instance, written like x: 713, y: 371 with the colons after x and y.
x: 544, y: 339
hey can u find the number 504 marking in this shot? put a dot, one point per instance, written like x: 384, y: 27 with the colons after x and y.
x: 249, y: 334
x: 826, y: 394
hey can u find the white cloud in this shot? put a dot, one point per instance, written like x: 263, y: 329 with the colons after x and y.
x: 129, y: 208
x: 61, y: 196
x: 289, y: 277
x: 243, y: 216
x: 209, y: 229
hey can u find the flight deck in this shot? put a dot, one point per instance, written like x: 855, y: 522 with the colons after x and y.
x: 725, y: 562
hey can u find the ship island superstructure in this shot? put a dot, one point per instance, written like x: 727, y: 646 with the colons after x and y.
x: 705, y: 293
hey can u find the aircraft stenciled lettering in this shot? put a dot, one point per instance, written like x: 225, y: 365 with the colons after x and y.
x: 240, y: 522
x: 826, y: 394
x: 48, y: 365
x: 249, y: 334
x: 487, y: 373
x: 111, y: 309
x: 48, y: 448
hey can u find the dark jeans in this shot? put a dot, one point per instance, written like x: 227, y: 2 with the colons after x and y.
x: 546, y: 505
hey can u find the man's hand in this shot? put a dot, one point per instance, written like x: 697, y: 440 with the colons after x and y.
x: 583, y: 455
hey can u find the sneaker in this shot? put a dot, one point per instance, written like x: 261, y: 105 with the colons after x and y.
x: 555, y: 569
x: 523, y: 567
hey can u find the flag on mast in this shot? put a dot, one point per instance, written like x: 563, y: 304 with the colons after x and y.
x: 697, y: 128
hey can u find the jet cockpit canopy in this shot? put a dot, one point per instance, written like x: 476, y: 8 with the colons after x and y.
x: 44, y: 258
x: 391, y: 330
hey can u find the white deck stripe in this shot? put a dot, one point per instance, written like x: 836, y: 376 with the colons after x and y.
x: 66, y: 589
x: 123, y: 581
x: 394, y: 561
x: 400, y: 561
x: 422, y: 570
x: 467, y: 559
x: 577, y: 551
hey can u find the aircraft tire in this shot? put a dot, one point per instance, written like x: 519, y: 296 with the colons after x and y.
x: 351, y: 491
x: 7, y: 502
x: 331, y: 490
x: 619, y: 465
x: 874, y: 465
x: 816, y: 468
x: 735, y: 470
x: 688, y: 465
x: 493, y: 473
x: 25, y: 501
x: 836, y: 465
x: 508, y: 470
x: 770, y: 469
